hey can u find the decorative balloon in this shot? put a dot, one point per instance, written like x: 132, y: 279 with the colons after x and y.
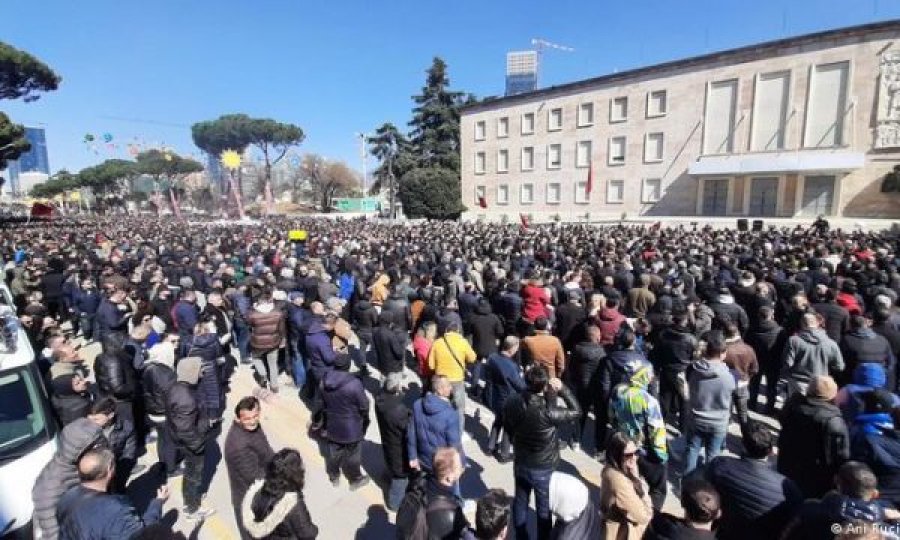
x: 107, y: 137
x: 88, y: 138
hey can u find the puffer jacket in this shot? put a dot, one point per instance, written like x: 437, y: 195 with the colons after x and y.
x: 623, y: 364
x: 486, y: 329
x: 346, y: 407
x: 157, y: 379
x: 185, y: 419
x: 811, y: 353
x: 209, y: 389
x: 116, y: 377
x: 866, y: 377
x: 398, y: 306
x: 61, y: 473
x: 267, y: 330
x: 268, y: 519
x: 533, y: 423
x: 862, y: 346
x: 609, y: 321
x: 874, y: 441
x: 588, y: 366
x: 434, y: 424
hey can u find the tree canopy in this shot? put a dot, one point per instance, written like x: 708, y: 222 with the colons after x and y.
x: 108, y: 176
x: 12, y: 141
x: 228, y: 132
x: 328, y: 179
x: 391, y: 148
x: 273, y: 140
x: 23, y: 76
x: 60, y: 182
x: 431, y: 192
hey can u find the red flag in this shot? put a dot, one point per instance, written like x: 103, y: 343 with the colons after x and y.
x: 481, y: 202
x: 590, y: 180
x: 41, y: 210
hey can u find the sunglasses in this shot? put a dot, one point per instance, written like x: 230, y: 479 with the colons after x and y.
x: 628, y: 455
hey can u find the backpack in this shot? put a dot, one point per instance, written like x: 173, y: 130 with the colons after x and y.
x: 412, y: 516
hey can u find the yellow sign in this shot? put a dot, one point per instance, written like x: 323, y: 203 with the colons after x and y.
x: 297, y: 235
x: 230, y: 159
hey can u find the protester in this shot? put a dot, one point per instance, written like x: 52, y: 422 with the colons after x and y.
x: 267, y: 335
x: 346, y: 409
x: 492, y: 515
x: 434, y: 424
x: 702, y: 507
x: 544, y: 349
x: 247, y: 452
x: 624, y: 499
x: 449, y: 357
x: 588, y: 369
x: 273, y: 507
x: 576, y: 516
x: 502, y: 380
x: 393, y: 418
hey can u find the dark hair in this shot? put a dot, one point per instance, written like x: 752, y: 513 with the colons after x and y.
x: 855, y: 479
x: 766, y: 312
x: 731, y: 329
x: 285, y: 473
x: 758, y: 440
x: 857, y: 322
x: 492, y: 514
x: 536, y: 379
x: 541, y: 323
x: 615, y: 458
x: 104, y: 405
x: 625, y: 338
x: 700, y: 500
x: 715, y: 344
x: 248, y: 403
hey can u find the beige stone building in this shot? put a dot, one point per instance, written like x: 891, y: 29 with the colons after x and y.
x: 791, y: 128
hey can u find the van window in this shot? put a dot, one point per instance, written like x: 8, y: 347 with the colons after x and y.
x: 25, y: 421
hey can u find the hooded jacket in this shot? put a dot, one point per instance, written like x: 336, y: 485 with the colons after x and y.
x: 609, y: 320
x: 486, y: 329
x: 767, y: 339
x: 115, y: 373
x: 710, y: 385
x: 346, y: 407
x: 61, y: 473
x: 811, y: 353
x: 319, y: 349
x: 635, y: 412
x: 158, y: 378
x: 674, y: 349
x: 863, y: 346
x: 874, y: 441
x: 434, y: 424
x: 188, y: 423
x: 286, y: 517
x: 866, y: 377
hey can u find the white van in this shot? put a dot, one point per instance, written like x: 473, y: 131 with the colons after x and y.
x: 27, y: 425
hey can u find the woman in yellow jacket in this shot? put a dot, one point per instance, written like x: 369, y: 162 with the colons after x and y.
x: 379, y: 290
x: 624, y: 500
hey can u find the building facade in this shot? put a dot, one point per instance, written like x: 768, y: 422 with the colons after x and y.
x: 792, y: 128
x: 33, y: 161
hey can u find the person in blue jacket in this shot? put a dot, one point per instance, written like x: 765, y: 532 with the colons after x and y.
x: 434, y: 424
x: 85, y: 303
x: 502, y: 379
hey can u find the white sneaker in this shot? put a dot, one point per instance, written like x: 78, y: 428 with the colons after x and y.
x: 469, y: 506
x: 199, y: 515
x: 466, y: 437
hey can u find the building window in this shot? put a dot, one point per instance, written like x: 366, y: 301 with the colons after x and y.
x: 554, y: 156
x: 528, y: 123
x: 581, y: 194
x: 617, y: 151
x: 480, y: 130
x: 502, y: 194
x: 770, y: 106
x: 656, y: 103
x: 827, y: 106
x: 718, y: 131
x: 653, y: 147
x: 479, y: 162
x: 583, y: 154
x: 480, y: 193
x: 615, y: 191
x: 528, y: 158
x: 554, y: 122
x: 502, y: 161
x: 553, y: 193
x: 585, y: 114
x: 503, y: 127
x: 618, y: 109
x: 651, y: 190
x: 526, y: 194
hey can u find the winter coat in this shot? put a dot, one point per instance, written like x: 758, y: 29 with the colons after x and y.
x: 866, y: 377
x: 246, y: 455
x: 588, y: 368
x: 51, y: 285
x: 116, y: 377
x: 434, y: 424
x: 622, y: 364
x: 811, y: 353
x: 569, y: 326
x: 346, y: 407
x: 609, y: 321
x: 837, y: 319
x: 874, y: 442
x: 546, y: 350
x: 68, y: 404
x: 757, y: 501
x: 533, y: 422
x: 674, y: 349
x: 110, y: 319
x: 84, y: 513
x: 636, y: 413
x: 185, y: 315
x: 318, y: 349
x: 393, y: 417
x: 639, y: 301
x: 863, y: 345
x: 625, y: 513
x: 210, y: 390
x: 366, y: 317
x: 267, y: 330
x: 534, y: 303
x: 86, y: 301
x: 286, y: 518
x: 813, y: 443
x: 502, y: 380
x: 485, y: 329
x: 725, y: 308
x: 185, y: 419
x: 297, y: 321
x: 156, y: 381
x: 768, y: 340
x: 122, y: 439
x: 390, y: 349
x: 398, y: 306
x: 710, y: 385
x: 61, y: 473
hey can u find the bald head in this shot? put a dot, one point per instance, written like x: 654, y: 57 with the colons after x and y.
x: 96, y: 465
x: 441, y: 386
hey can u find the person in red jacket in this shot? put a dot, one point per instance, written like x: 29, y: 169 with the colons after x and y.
x: 609, y: 320
x: 535, y: 304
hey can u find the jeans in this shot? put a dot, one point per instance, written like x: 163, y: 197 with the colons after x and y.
x: 165, y: 447
x: 396, y: 491
x: 346, y: 458
x: 671, y: 398
x: 192, y: 487
x: 710, y: 439
x: 89, y: 326
x: 528, y: 480
x: 298, y: 367
x: 477, y: 369
x: 656, y: 475
x: 271, y: 359
x: 771, y: 372
x: 459, y: 401
x: 242, y: 338
x: 500, y: 437
x: 741, y: 399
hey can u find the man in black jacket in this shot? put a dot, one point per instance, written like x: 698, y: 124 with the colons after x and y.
x: 246, y: 453
x: 392, y: 415
x: 346, y: 420
x: 861, y: 344
x: 116, y: 377
x: 486, y: 329
x: 157, y: 379
x: 122, y: 440
x: 586, y: 370
x: 673, y: 352
x: 533, y: 420
x: 390, y: 347
x: 767, y: 340
x: 443, y: 514
x: 570, y: 318
x: 837, y: 319
x: 191, y: 429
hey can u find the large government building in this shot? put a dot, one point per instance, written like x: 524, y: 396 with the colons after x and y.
x: 797, y: 127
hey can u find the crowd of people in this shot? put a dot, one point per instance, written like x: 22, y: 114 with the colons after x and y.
x: 645, y: 348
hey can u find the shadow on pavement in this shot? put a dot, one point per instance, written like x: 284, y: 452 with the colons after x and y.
x: 142, y: 489
x: 377, y: 525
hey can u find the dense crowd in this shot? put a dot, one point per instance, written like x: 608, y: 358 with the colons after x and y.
x: 639, y: 346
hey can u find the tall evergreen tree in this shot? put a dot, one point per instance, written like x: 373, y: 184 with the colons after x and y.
x: 434, y: 133
x: 391, y: 148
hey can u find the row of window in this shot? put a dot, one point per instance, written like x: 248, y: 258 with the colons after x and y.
x: 618, y: 112
x: 654, y: 149
x: 651, y: 192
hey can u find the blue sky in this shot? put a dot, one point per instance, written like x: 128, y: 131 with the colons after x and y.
x: 144, y: 71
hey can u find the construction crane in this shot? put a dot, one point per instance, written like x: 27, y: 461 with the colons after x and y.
x: 539, y: 46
